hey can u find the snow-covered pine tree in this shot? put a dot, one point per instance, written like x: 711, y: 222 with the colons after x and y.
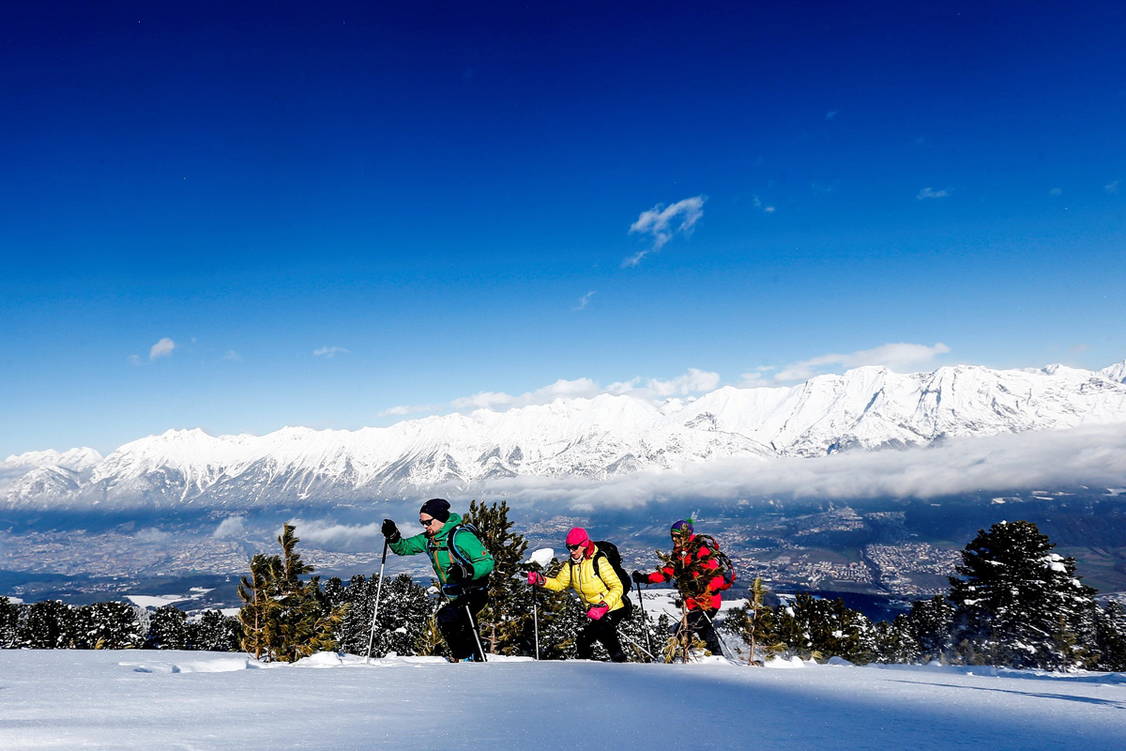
x: 1109, y: 645
x: 930, y: 622
x: 168, y: 629
x: 108, y: 625
x: 214, y: 632
x: 9, y: 621
x: 505, y: 622
x: 1018, y: 603
x: 404, y: 613
x: 47, y: 624
x: 894, y: 643
x: 816, y: 628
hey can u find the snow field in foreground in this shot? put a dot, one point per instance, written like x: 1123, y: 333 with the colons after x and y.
x: 198, y: 700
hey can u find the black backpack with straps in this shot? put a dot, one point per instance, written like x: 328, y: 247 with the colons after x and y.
x: 609, y: 551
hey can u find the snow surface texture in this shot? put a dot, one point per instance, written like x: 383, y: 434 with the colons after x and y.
x: 191, y: 700
x: 607, y: 436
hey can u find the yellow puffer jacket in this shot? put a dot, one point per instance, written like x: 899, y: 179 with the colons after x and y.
x: 591, y: 588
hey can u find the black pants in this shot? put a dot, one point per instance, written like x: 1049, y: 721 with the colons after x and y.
x: 604, y: 631
x: 454, y: 624
x: 699, y: 623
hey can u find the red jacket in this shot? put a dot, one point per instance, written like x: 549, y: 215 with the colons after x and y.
x: 697, y: 574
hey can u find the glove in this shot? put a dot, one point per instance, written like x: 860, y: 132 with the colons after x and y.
x: 457, y: 573
x: 535, y: 579
x: 690, y: 603
x: 640, y: 577
x: 390, y: 531
x: 597, y: 611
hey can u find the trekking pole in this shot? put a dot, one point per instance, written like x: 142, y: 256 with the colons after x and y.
x: 645, y: 623
x: 536, y: 619
x: 375, y: 613
x: 476, y: 636
x: 723, y: 646
x: 639, y: 648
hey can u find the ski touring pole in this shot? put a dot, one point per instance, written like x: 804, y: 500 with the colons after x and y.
x: 645, y: 622
x: 639, y: 648
x: 375, y: 612
x: 476, y: 636
x: 723, y: 646
x: 536, y: 619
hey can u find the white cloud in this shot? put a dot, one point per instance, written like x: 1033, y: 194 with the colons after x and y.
x: 1111, y: 187
x: 232, y: 526
x: 152, y: 535
x: 483, y: 400
x: 232, y: 356
x: 337, y: 536
x: 136, y: 360
x: 899, y: 356
x: 1093, y: 455
x: 764, y: 208
x: 1055, y: 192
x: 330, y: 352
x: 756, y: 377
x: 585, y: 300
x: 660, y: 223
x: 929, y: 192
x: 163, y: 348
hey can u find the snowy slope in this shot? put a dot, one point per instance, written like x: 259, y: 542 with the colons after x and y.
x: 193, y: 700
x: 596, y: 438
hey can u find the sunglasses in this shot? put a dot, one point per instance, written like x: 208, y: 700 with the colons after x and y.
x: 574, y: 547
x: 425, y: 522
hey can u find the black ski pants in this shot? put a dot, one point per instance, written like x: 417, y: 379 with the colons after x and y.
x: 604, y: 631
x: 698, y: 621
x: 453, y: 622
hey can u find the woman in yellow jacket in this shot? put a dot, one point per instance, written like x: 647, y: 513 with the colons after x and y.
x: 600, y: 590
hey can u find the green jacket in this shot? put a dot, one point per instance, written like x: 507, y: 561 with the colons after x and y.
x: 437, y: 548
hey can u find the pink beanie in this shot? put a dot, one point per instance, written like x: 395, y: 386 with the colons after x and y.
x: 577, y: 536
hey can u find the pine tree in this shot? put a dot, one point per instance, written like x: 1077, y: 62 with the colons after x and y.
x: 1109, y: 645
x: 9, y: 622
x: 284, y: 618
x: 505, y: 623
x: 47, y: 624
x: 1020, y: 604
x: 930, y: 623
x: 214, y: 632
x: 404, y: 614
x: 754, y: 623
x: 259, y: 596
x: 813, y: 628
x: 168, y: 629
x: 894, y: 643
x: 107, y: 625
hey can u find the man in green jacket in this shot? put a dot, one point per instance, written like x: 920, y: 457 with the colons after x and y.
x: 462, y: 565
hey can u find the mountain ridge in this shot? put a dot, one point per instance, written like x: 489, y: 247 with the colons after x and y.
x: 868, y: 408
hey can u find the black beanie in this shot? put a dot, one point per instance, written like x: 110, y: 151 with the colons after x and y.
x: 439, y: 508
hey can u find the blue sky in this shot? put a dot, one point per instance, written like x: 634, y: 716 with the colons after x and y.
x: 438, y: 199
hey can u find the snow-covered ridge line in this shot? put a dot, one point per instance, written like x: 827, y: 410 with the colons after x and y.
x: 597, y: 438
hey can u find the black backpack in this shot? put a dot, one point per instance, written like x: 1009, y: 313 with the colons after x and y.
x: 610, y: 551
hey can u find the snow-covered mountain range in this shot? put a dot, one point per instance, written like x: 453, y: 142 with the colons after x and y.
x: 868, y: 408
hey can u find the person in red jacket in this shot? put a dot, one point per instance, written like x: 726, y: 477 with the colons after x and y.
x: 696, y: 565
